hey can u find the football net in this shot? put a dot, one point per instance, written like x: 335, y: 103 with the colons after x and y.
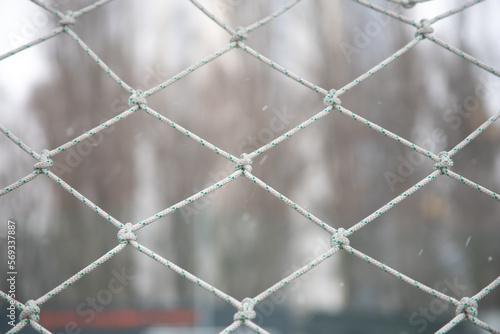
x: 466, y: 307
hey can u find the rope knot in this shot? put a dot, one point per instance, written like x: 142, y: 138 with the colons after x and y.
x: 240, y: 34
x: 331, y: 99
x: 245, y: 163
x: 125, y: 234
x: 246, y: 311
x: 425, y: 28
x: 408, y: 3
x: 137, y: 98
x: 45, y: 161
x: 30, y: 311
x: 68, y: 19
x: 444, y: 161
x: 339, y: 238
x: 468, y: 306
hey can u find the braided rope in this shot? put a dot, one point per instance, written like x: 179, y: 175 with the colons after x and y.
x: 466, y: 308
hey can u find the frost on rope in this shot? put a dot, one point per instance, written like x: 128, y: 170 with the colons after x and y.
x: 466, y: 309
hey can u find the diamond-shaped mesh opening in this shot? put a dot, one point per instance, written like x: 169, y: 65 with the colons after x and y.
x: 252, y: 114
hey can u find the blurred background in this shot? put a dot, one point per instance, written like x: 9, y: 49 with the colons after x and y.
x: 241, y: 239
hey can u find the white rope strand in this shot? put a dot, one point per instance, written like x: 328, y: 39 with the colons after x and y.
x: 281, y: 69
x: 290, y: 203
x: 291, y: 132
x: 274, y: 15
x: 82, y: 198
x: 474, y: 134
x: 394, y: 202
x: 191, y: 135
x: 380, y: 66
x: 388, y: 12
x: 94, y: 131
x: 98, y: 60
x: 89, y: 8
x: 10, y: 300
x: 56, y: 31
x: 255, y: 328
x: 471, y: 184
x: 188, y: 200
x: 158, y: 258
x: 20, y: 325
x: 231, y: 328
x: 79, y: 275
x: 402, y: 277
x: 190, y: 69
x: 388, y: 133
x: 453, y: 322
x: 456, y: 10
x: 481, y: 324
x: 39, y: 328
x: 483, y: 293
x: 18, y: 142
x: 20, y: 182
x: 47, y: 8
x: 34, y: 42
x: 465, y: 56
x: 295, y: 275
x: 213, y: 17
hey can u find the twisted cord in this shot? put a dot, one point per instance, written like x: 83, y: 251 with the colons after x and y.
x: 389, y: 12
x: 455, y: 10
x: 272, y: 16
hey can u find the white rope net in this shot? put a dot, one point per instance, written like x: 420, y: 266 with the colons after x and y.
x: 466, y: 308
